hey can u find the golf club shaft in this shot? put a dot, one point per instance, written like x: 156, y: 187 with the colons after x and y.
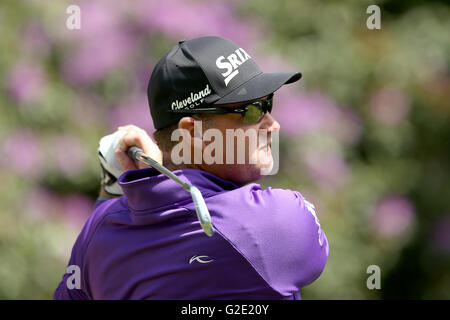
x: 137, y: 154
x: 199, y: 203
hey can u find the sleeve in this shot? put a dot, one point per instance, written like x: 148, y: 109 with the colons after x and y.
x: 296, y: 246
x: 71, y: 285
x: 63, y: 292
x: 279, y: 233
x: 315, y: 248
x: 74, y: 284
x: 100, y: 200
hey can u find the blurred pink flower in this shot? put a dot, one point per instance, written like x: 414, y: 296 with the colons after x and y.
x: 41, y: 203
x: 349, y: 127
x: 25, y: 83
x: 102, y: 44
x: 98, y: 17
x: 87, y: 111
x: 300, y: 113
x: 22, y: 153
x: 329, y: 171
x: 272, y: 63
x: 35, y: 41
x: 393, y: 217
x: 440, y: 237
x: 303, y: 113
x: 94, y: 59
x: 76, y: 208
x: 389, y: 106
x: 182, y: 19
x: 134, y: 110
x: 68, y: 154
x: 141, y: 76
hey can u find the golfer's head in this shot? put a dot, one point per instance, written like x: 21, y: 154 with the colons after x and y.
x: 209, y: 98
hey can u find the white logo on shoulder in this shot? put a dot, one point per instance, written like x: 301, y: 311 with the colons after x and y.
x: 231, y: 64
x: 311, y: 209
x: 200, y: 259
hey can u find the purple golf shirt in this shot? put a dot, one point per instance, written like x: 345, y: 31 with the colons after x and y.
x: 148, y: 244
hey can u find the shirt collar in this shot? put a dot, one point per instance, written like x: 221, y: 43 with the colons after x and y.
x: 147, y: 189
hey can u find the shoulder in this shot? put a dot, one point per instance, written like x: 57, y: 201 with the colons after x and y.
x: 79, y: 251
x: 101, y: 211
x: 278, y: 231
x: 102, y: 208
x: 274, y: 194
x: 281, y: 200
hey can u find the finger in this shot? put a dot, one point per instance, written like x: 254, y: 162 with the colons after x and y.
x: 138, y: 137
x: 132, y: 127
x: 132, y: 138
x: 125, y: 162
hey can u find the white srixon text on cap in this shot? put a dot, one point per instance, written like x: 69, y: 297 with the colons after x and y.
x: 234, y: 61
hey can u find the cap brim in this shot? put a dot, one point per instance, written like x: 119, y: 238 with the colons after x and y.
x: 259, y: 86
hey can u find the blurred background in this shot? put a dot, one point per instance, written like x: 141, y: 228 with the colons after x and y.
x: 365, y: 134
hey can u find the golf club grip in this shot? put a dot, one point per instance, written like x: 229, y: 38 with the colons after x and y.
x: 135, y: 153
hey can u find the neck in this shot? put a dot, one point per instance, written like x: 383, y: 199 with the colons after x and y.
x: 167, y: 162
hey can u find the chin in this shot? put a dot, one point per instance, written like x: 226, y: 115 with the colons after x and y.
x: 253, y: 174
x: 245, y: 174
x: 264, y: 162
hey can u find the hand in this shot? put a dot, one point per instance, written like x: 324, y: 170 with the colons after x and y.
x: 136, y: 136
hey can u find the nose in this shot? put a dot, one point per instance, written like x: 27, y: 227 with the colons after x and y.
x: 269, y: 123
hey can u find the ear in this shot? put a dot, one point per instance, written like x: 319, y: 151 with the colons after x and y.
x: 187, y: 123
x: 194, y: 129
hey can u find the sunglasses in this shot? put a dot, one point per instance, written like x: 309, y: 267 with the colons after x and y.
x: 251, y: 113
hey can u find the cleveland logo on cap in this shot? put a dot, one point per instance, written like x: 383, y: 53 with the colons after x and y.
x: 194, y: 99
x: 234, y: 61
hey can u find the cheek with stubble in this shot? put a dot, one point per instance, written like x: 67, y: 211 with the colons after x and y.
x: 244, y: 155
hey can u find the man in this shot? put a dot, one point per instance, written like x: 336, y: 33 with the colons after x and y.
x: 148, y: 244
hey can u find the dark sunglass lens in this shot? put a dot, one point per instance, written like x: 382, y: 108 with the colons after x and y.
x: 253, y: 114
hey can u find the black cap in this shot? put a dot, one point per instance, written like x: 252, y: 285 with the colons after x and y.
x: 206, y: 71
